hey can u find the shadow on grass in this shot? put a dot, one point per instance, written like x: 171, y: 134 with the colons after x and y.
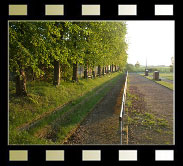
x: 56, y: 125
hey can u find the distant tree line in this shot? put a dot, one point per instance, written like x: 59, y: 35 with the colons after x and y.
x: 135, y: 68
x: 51, y: 50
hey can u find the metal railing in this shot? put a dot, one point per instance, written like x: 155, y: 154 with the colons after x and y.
x: 123, y: 108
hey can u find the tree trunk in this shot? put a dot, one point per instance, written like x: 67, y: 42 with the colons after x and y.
x: 93, y: 73
x: 85, y: 72
x: 107, y: 69
x: 21, y: 84
x: 75, y: 77
x: 103, y: 71
x: 56, y: 80
x: 115, y: 67
x: 99, y: 70
x: 112, y: 68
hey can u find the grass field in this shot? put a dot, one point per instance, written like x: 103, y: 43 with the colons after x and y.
x: 168, y: 76
x: 140, y: 69
x: 39, y: 106
x: 164, y: 83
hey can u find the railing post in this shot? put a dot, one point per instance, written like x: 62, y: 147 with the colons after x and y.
x: 123, y: 108
x: 120, y: 121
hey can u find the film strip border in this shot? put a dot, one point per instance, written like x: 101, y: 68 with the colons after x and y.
x: 91, y: 10
x: 64, y: 156
x: 95, y: 10
x: 84, y: 10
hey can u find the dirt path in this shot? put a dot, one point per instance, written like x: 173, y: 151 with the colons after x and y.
x: 101, y: 126
x: 150, y: 113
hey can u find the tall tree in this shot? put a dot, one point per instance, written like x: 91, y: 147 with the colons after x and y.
x: 25, y: 47
x: 39, y: 48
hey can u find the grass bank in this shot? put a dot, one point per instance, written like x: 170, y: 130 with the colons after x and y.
x: 39, y: 106
x: 164, y: 83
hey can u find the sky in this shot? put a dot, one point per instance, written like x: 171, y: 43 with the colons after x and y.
x: 151, y: 40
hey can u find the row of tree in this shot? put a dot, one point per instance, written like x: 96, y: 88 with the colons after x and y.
x: 41, y: 50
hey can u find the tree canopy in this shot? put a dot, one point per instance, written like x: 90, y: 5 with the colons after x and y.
x: 34, y: 47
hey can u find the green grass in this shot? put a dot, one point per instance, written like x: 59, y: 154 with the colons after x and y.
x: 145, y: 119
x: 168, y: 76
x: 43, y: 98
x: 164, y: 83
x: 164, y: 69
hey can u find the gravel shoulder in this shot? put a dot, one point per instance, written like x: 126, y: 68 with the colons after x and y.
x: 101, y: 126
x: 151, y: 114
x: 155, y: 101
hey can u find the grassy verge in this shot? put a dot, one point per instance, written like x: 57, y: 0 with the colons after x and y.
x: 43, y: 98
x: 164, y: 83
x: 168, y: 76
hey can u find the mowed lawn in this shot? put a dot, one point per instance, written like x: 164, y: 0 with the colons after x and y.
x: 168, y: 76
